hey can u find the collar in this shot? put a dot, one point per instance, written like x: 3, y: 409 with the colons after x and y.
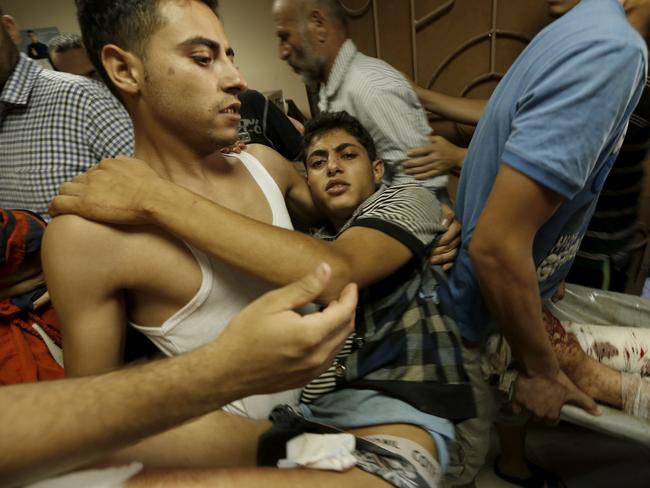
x: 21, y: 82
x: 342, y: 62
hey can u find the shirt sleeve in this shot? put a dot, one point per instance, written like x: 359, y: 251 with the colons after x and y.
x: 568, y: 115
x: 408, y: 213
x: 389, y: 109
x: 109, y: 131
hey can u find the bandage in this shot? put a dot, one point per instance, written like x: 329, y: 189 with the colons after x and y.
x: 635, y: 392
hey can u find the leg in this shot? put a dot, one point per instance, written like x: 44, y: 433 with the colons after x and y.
x: 270, y: 477
x: 467, y: 453
x: 217, y: 439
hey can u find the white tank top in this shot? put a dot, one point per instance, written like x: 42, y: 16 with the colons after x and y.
x: 224, y: 290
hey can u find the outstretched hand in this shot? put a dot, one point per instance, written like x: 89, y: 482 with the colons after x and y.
x: 272, y: 347
x: 436, y: 158
x: 112, y: 191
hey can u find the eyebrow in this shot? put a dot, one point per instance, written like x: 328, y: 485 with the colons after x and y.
x: 338, y: 149
x: 200, y: 41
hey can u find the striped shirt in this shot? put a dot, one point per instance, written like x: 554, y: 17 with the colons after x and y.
x: 402, y: 344
x: 54, y: 126
x: 384, y: 102
x: 615, y: 220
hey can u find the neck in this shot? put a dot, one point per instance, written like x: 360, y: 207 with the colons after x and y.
x: 332, y: 54
x: 172, y: 156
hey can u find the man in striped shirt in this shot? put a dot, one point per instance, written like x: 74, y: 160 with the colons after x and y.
x: 314, y: 41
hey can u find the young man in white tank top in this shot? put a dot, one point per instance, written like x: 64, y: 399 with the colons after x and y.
x: 182, y: 97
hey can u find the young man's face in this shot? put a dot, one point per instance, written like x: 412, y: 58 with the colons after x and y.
x: 557, y: 8
x: 340, y: 174
x: 295, y: 45
x: 191, y: 85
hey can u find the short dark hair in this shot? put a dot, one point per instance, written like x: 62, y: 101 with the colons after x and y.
x: 65, y: 42
x: 329, y: 121
x: 31, y: 32
x: 125, y: 23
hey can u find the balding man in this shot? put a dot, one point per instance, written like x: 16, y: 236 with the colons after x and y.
x: 314, y: 40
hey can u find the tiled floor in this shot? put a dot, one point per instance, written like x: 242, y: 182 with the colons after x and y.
x: 583, y: 458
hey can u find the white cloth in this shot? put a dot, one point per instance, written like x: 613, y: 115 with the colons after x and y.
x: 333, y: 452
x: 224, y: 291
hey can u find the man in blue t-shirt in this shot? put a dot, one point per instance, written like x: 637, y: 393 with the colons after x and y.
x: 530, y: 183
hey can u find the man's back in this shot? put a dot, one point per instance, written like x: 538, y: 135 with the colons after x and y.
x: 54, y: 126
x: 557, y: 117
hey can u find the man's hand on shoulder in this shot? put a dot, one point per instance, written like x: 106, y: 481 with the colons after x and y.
x: 114, y: 191
x: 271, y: 347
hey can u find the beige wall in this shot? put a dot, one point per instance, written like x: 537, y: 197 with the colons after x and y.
x: 248, y: 24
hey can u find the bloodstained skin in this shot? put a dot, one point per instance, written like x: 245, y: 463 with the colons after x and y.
x: 566, y: 345
x: 597, y: 380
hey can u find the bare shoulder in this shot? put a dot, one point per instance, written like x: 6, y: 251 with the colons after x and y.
x: 277, y: 166
x: 77, y: 245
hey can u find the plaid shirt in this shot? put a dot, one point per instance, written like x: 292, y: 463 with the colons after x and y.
x: 54, y: 126
x: 403, y: 345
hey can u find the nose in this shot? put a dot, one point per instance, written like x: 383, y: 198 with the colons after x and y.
x: 284, y: 50
x: 333, y: 166
x: 233, y: 80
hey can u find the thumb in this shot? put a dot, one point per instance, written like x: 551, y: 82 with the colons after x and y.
x: 582, y: 400
x: 303, y: 291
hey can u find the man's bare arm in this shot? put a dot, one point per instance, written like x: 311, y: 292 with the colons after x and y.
x: 457, y: 109
x: 85, y: 418
x: 131, y: 193
x: 501, y: 252
x: 83, y: 276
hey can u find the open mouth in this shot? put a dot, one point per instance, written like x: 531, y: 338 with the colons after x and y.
x: 232, y: 109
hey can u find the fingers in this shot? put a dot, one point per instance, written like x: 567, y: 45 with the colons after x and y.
x: 62, y: 204
x: 22, y: 287
x: 300, y: 292
x: 559, y: 293
x: 582, y: 400
x: 419, y: 151
x: 446, y: 259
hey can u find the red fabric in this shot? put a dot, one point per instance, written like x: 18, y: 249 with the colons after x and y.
x: 24, y: 357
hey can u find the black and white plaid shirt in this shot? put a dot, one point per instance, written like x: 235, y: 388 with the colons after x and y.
x: 403, y: 345
x: 54, y: 126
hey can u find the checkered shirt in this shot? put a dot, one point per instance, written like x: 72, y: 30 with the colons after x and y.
x: 54, y: 126
x: 403, y: 345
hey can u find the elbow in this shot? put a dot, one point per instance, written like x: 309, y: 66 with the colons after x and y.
x: 485, y: 253
x: 341, y: 276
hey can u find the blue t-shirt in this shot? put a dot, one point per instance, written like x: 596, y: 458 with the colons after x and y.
x: 559, y: 117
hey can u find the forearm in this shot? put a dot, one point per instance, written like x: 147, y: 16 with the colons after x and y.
x: 52, y: 427
x: 458, y: 109
x: 508, y: 283
x: 274, y: 254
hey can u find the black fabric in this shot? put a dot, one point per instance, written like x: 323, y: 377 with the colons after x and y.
x: 268, y: 125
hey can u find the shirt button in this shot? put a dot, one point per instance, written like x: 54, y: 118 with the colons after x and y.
x: 339, y: 370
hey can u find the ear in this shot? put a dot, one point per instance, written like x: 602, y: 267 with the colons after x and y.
x: 124, y: 68
x: 318, y: 24
x: 378, y: 170
x: 10, y: 26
